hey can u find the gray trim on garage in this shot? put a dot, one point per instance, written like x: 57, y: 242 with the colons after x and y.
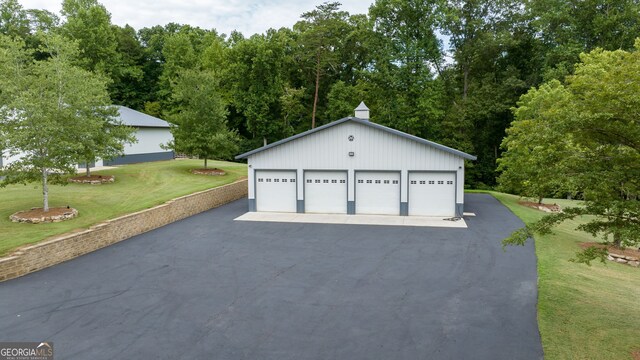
x: 140, y: 158
x: 404, y: 208
x: 351, y: 206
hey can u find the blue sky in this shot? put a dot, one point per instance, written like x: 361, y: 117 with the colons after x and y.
x: 246, y: 16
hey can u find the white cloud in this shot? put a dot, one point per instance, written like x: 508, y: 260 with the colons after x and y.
x: 248, y: 17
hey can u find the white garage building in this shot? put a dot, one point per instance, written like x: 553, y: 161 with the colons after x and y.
x: 354, y: 166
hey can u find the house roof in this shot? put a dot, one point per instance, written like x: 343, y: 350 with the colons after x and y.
x: 366, y: 123
x: 131, y: 117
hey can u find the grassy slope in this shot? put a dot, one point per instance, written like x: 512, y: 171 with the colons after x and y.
x: 137, y: 187
x: 584, y: 312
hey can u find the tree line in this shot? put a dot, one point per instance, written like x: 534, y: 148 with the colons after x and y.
x: 265, y: 87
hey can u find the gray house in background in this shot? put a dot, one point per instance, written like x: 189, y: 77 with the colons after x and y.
x: 151, y: 132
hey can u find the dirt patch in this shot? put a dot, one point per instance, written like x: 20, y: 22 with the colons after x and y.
x: 543, y: 207
x: 613, y: 250
x: 93, y: 179
x: 635, y: 355
x: 37, y: 215
x: 210, y: 172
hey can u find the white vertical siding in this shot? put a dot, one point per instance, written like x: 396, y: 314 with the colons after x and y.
x: 149, y: 141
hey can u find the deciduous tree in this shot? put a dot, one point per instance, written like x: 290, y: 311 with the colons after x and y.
x: 603, y: 124
x: 198, y: 123
x: 47, y: 107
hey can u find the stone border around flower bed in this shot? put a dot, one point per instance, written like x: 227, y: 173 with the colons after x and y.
x: 208, y: 172
x: 624, y: 259
x: 103, y: 180
x: 71, y: 245
x: 67, y: 215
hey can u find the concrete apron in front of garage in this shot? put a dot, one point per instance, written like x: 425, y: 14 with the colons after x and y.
x: 393, y: 220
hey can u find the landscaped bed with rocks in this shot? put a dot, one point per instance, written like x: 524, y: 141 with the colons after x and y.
x: 92, y: 179
x: 38, y: 215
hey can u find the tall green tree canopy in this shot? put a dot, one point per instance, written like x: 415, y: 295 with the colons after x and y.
x: 598, y: 115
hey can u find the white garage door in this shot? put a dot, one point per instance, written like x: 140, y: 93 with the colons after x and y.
x: 432, y: 194
x: 325, y: 192
x: 378, y: 193
x: 276, y: 191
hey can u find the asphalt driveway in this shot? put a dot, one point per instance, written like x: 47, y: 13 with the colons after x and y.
x: 209, y: 287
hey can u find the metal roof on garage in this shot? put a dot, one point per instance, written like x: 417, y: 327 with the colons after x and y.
x: 366, y: 123
x: 131, y: 117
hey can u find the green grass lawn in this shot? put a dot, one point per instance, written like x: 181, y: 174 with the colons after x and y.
x: 137, y: 187
x: 584, y: 312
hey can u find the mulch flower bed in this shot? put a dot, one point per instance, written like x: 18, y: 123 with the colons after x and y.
x: 37, y: 215
x: 627, y: 256
x: 211, y: 172
x: 93, y: 179
x: 542, y: 207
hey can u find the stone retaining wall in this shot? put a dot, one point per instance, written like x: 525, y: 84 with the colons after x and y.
x: 623, y: 259
x: 68, y: 246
